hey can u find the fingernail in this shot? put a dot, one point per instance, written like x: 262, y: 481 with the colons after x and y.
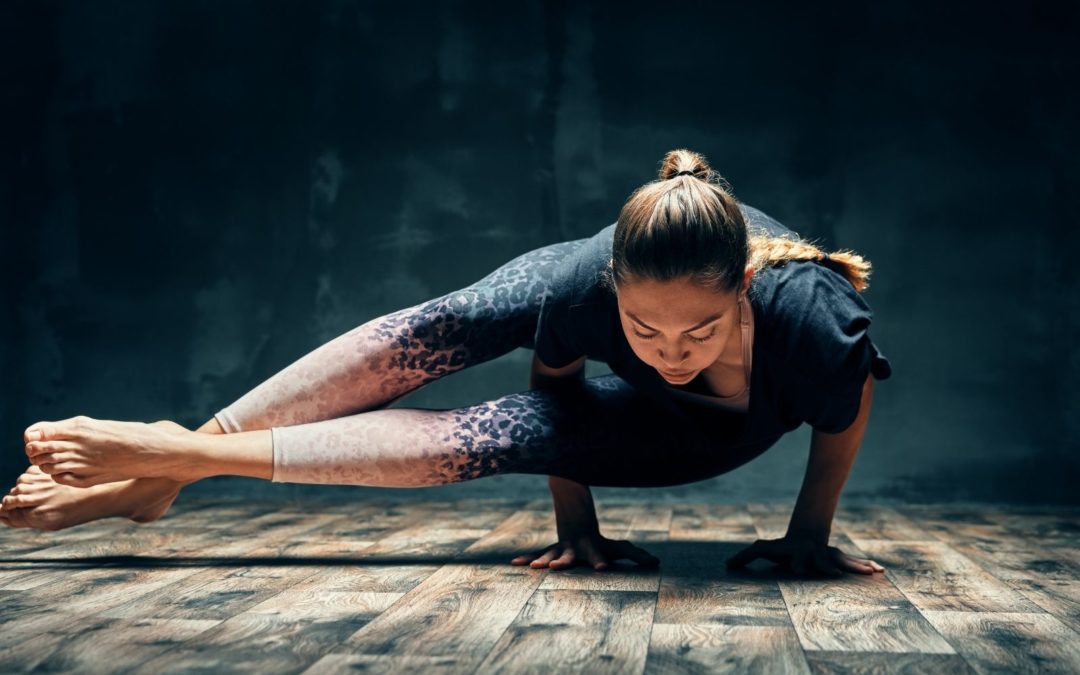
x: 33, y: 435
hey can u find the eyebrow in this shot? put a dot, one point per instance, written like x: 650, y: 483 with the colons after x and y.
x: 707, y: 321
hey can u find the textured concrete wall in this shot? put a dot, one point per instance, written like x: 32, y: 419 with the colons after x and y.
x: 196, y: 194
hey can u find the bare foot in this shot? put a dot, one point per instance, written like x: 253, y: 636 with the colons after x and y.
x: 39, y: 502
x: 82, y: 451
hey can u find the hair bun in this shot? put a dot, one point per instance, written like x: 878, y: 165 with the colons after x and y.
x: 682, y: 162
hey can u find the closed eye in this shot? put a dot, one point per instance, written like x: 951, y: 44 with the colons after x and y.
x: 695, y: 339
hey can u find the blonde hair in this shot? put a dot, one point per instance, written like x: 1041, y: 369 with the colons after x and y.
x: 688, y: 223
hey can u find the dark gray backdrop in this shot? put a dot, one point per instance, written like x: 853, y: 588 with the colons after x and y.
x: 197, y: 193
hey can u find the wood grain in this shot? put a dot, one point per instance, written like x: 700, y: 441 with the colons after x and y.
x: 393, y: 586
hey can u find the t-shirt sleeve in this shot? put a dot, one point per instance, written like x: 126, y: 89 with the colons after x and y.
x: 830, y: 353
x: 553, y: 342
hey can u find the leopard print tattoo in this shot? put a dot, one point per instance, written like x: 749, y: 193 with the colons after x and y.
x: 374, y: 364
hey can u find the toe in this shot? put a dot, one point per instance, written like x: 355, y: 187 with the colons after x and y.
x: 16, y: 501
x: 70, y: 479
x: 48, y: 431
x: 16, y: 518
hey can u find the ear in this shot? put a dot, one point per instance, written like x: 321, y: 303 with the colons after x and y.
x: 748, y: 274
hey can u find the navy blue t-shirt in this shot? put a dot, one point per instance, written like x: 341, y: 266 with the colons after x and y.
x: 811, y: 349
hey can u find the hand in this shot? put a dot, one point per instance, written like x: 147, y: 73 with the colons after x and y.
x: 587, y: 549
x: 802, y: 555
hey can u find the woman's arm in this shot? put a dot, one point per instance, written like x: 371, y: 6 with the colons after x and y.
x: 805, y: 546
x: 831, y: 459
x: 578, y: 530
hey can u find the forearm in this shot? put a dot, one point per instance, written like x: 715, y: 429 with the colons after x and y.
x: 575, y: 511
x: 820, y: 495
x: 831, y: 459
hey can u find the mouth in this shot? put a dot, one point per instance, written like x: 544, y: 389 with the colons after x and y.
x: 676, y: 376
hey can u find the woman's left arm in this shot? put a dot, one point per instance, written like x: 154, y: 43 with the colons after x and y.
x: 806, y: 544
x: 831, y: 459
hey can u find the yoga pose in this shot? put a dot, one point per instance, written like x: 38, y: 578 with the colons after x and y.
x: 723, y: 329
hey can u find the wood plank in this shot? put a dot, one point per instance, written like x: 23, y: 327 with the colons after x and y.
x: 719, y: 648
x: 1010, y: 642
x: 256, y: 643
x: 857, y: 612
x: 460, y: 610
x: 935, y: 577
x: 728, y: 523
x: 392, y: 664
x: 231, y: 578
x: 866, y: 521
x: 294, y: 628
x: 100, y: 644
x: 577, y: 631
x: 831, y: 663
x: 771, y: 519
x: 697, y: 589
x: 1059, y: 597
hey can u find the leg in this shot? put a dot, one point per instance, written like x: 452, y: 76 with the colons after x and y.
x: 382, y: 360
x: 599, y: 432
x: 368, y: 368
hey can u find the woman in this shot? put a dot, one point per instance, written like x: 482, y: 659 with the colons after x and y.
x: 723, y: 331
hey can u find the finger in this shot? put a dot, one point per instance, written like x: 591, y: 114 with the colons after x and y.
x: 853, y: 565
x: 745, y: 556
x: 825, y: 564
x: 625, y: 549
x: 547, y: 557
x: 564, y: 560
x: 871, y: 563
x: 597, y: 559
x: 529, y: 557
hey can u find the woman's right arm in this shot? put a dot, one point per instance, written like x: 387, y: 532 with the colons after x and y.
x: 575, y: 512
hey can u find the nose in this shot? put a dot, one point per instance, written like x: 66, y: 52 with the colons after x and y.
x: 669, y: 363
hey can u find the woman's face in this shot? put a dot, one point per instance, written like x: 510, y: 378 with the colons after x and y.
x: 677, y: 327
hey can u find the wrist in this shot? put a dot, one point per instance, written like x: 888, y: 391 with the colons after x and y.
x: 575, y: 512
x: 816, y: 534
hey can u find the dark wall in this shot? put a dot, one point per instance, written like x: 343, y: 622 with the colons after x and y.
x: 198, y: 193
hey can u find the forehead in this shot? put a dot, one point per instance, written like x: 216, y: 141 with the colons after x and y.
x: 673, y: 302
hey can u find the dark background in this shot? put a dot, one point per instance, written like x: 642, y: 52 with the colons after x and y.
x: 196, y: 194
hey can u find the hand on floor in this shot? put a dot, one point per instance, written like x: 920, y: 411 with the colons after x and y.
x: 592, y: 549
x: 803, y: 556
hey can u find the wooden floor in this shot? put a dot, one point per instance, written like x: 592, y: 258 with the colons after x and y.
x: 220, y: 586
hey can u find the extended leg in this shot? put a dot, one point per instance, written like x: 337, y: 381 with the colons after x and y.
x: 602, y: 433
x: 380, y: 361
x: 367, y: 368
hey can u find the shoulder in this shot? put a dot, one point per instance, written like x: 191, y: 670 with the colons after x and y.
x: 818, y: 321
x: 578, y: 277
